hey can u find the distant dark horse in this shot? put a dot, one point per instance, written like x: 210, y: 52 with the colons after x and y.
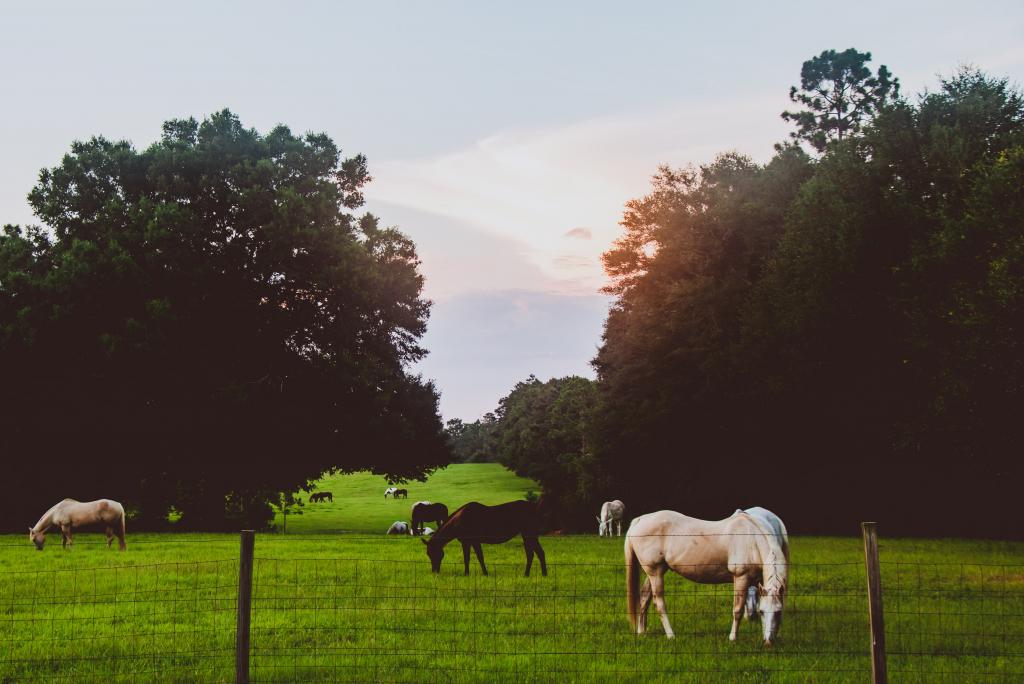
x: 404, y: 493
x: 321, y: 496
x: 424, y: 511
x: 476, y: 524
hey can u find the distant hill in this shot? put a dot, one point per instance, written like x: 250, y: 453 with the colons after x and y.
x: 359, y: 504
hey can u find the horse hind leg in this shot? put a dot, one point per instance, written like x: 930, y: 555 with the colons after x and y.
x: 645, y: 603
x: 480, y: 556
x: 658, y: 592
x: 110, y: 536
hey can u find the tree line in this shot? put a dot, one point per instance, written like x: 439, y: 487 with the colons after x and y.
x: 204, y: 323
x: 834, y: 334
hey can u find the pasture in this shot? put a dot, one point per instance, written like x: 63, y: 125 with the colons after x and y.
x: 360, y: 606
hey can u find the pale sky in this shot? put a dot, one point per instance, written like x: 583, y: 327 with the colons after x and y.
x: 503, y: 138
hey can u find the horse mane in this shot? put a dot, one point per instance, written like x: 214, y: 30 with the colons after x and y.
x: 48, y: 515
x: 449, y: 529
x: 771, y: 559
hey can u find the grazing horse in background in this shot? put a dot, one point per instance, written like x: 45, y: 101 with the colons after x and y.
x: 424, y: 511
x: 774, y: 524
x: 389, y: 491
x: 321, y: 496
x: 611, y: 511
x: 399, y: 527
x: 738, y: 549
x: 475, y: 524
x: 400, y: 493
x: 69, y: 514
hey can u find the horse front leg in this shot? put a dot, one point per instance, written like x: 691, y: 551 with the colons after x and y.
x: 65, y: 536
x: 739, y: 598
x: 480, y: 556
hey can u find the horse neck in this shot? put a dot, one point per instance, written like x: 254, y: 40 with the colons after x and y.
x: 46, y: 521
x: 773, y: 560
x: 447, y: 532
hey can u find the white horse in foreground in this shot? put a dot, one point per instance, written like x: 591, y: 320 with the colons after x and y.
x: 739, y: 549
x: 69, y: 514
x: 611, y: 511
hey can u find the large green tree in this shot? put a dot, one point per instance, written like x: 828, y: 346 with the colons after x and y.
x: 205, y: 323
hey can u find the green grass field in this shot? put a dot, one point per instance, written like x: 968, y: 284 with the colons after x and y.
x: 360, y: 606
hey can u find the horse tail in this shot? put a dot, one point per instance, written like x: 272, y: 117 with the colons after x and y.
x: 632, y: 583
x: 121, y: 540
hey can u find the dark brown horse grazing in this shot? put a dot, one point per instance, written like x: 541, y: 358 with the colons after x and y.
x: 424, y: 511
x: 476, y: 524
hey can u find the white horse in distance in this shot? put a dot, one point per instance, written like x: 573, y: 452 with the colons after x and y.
x: 399, y: 527
x: 69, y: 514
x: 611, y: 512
x: 739, y: 549
x: 402, y: 527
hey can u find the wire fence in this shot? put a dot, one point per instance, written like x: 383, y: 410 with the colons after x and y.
x: 366, y: 619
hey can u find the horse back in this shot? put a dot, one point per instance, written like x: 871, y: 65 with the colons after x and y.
x: 494, y: 524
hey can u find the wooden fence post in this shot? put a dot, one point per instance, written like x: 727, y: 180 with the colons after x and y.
x: 874, y: 572
x: 245, y: 562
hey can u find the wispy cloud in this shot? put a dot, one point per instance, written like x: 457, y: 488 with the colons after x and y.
x: 527, y: 185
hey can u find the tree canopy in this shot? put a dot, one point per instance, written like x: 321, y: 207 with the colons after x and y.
x: 205, y: 323
x: 838, y: 92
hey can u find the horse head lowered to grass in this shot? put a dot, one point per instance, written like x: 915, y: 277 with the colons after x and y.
x: 741, y: 549
x: 69, y: 514
x: 475, y: 524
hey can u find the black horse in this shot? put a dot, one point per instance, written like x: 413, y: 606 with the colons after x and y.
x: 321, y: 496
x: 424, y: 511
x: 475, y: 524
x: 404, y: 493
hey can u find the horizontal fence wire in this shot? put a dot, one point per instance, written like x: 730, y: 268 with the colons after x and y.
x: 355, y: 620
x: 122, y: 623
x: 379, y: 619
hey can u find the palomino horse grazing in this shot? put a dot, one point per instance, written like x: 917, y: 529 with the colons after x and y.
x: 739, y: 549
x: 424, y: 511
x: 611, y: 511
x: 476, y: 524
x: 69, y: 514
